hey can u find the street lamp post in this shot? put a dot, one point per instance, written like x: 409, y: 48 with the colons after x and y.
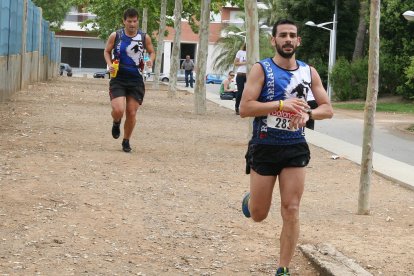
x: 332, y: 47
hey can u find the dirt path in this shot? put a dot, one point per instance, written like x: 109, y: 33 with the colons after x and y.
x: 72, y: 203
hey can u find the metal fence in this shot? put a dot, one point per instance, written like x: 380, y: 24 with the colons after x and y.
x: 29, y: 51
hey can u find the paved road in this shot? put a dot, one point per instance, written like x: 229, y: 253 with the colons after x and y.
x: 387, y: 140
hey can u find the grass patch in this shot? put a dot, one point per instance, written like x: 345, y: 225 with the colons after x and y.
x: 383, y: 107
x: 411, y: 128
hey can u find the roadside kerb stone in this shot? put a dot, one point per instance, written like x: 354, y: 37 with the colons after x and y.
x: 331, y: 262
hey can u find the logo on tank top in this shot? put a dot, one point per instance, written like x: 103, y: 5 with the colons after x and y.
x: 300, y: 91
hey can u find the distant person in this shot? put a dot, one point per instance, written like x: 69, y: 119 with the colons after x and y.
x: 188, y: 66
x: 312, y: 104
x: 227, y: 87
x: 275, y: 95
x: 147, y: 69
x: 127, y: 89
x: 241, y: 62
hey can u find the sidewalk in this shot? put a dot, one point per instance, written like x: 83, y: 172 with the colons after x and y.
x: 384, y: 166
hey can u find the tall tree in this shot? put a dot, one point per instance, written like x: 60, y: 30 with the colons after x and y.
x: 275, y: 10
x: 370, y: 107
x: 316, y: 40
x: 397, y: 46
x: 227, y: 47
x: 201, y: 64
x: 252, y: 33
x: 175, y: 57
x: 160, y: 43
x: 54, y: 11
x: 362, y: 29
x: 252, y: 43
x: 109, y: 14
x: 144, y: 24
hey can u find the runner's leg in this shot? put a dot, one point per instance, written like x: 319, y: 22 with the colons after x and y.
x: 118, y: 108
x: 261, y: 189
x: 131, y: 111
x: 291, y: 185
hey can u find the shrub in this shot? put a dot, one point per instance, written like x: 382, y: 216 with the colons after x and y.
x: 341, y: 78
x: 409, y: 74
x: 359, y: 70
x: 349, y: 80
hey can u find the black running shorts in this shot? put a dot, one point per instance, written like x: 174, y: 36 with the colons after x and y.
x: 123, y: 88
x: 271, y: 159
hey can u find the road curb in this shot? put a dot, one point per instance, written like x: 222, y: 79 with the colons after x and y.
x: 330, y: 262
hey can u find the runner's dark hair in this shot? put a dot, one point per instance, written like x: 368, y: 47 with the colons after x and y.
x: 282, y: 22
x: 130, y: 13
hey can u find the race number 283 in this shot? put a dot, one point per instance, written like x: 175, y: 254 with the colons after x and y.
x: 279, y: 120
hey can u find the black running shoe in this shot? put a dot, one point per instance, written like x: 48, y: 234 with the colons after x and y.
x: 116, y: 131
x: 125, y: 145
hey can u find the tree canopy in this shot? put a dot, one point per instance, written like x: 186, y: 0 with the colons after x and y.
x: 397, y: 45
x: 54, y: 11
x: 396, y: 51
x: 109, y: 13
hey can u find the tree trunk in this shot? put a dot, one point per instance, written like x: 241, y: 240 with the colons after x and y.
x: 362, y: 29
x: 201, y: 62
x: 370, y: 108
x: 252, y: 34
x: 160, y: 44
x: 252, y: 43
x: 175, y: 57
x: 144, y: 20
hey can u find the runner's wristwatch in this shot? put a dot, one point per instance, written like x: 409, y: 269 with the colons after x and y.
x: 309, y: 111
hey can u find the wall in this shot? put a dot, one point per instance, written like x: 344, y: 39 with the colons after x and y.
x: 29, y: 51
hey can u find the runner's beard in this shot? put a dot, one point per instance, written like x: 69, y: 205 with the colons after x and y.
x: 284, y: 54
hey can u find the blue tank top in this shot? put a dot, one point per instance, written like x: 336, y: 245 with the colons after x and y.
x: 130, y: 53
x: 281, y: 84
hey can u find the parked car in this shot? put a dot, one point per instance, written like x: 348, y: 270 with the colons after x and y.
x: 180, y: 76
x: 215, y: 78
x: 64, y: 67
x: 102, y: 74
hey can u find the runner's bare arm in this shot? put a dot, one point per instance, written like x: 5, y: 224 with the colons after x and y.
x: 150, y: 50
x: 324, y: 109
x: 251, y: 107
x: 108, y: 51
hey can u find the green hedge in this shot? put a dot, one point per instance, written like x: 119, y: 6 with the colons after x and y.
x: 349, y: 79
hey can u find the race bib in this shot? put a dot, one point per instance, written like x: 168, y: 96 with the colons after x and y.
x: 280, y: 120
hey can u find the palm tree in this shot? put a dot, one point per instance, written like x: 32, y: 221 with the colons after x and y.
x: 227, y: 47
x: 276, y: 10
x: 229, y: 44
